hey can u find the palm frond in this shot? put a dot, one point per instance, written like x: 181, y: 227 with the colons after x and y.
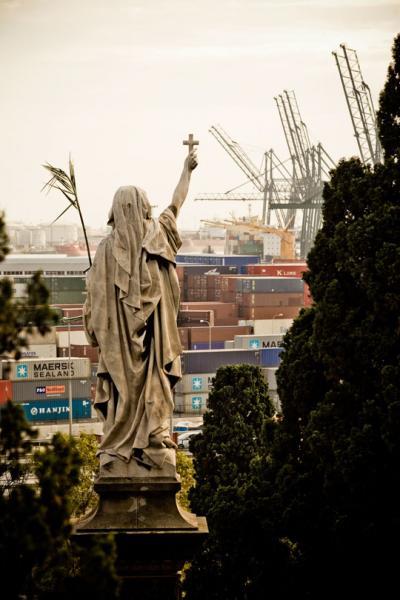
x: 61, y: 214
x: 66, y: 184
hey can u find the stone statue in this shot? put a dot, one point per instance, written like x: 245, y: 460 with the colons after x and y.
x: 131, y: 315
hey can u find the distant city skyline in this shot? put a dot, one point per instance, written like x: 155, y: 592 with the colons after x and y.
x: 120, y: 85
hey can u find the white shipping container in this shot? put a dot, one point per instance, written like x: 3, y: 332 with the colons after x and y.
x: 190, y: 404
x: 77, y: 338
x: 251, y: 342
x: 270, y: 377
x: 271, y: 326
x: 194, y: 383
x: 229, y: 344
x: 40, y: 351
x: 31, y: 369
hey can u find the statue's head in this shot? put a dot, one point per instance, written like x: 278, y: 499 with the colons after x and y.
x: 129, y: 204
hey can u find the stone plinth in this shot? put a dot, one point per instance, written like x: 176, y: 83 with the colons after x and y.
x: 154, y: 536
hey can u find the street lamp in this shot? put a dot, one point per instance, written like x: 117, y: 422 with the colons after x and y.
x: 68, y: 321
x: 209, y: 331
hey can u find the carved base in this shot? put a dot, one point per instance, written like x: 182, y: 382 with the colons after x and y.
x: 154, y: 536
x: 128, y: 504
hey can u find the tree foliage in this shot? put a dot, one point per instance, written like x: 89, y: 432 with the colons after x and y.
x: 389, y: 106
x: 38, y: 556
x: 20, y: 316
x: 185, y: 469
x: 336, y: 456
x: 323, y: 485
x: 83, y: 497
x: 235, y: 429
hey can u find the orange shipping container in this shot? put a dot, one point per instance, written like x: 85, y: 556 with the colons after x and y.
x: 268, y: 312
x: 5, y: 391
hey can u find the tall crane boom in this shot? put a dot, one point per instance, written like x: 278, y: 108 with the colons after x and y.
x: 360, y: 105
x: 239, y: 156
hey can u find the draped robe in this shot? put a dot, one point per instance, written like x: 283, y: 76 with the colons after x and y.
x: 131, y: 315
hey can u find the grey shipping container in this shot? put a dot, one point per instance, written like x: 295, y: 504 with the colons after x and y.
x: 270, y: 284
x: 207, y: 361
x: 49, y: 389
x: 31, y: 369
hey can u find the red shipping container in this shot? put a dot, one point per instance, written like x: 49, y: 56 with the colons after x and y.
x: 5, y: 391
x: 278, y: 269
x: 307, y: 296
x: 184, y: 337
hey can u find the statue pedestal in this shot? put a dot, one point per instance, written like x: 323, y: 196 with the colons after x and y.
x: 154, y: 536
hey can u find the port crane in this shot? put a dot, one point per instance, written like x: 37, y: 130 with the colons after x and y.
x: 289, y: 193
x: 360, y: 105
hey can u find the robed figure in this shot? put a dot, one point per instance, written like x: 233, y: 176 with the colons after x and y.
x: 131, y: 315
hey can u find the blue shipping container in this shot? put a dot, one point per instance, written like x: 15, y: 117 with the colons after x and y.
x: 56, y: 410
x: 271, y: 357
x: 218, y: 259
x: 208, y: 361
x: 241, y: 259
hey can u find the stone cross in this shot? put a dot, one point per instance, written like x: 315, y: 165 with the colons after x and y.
x: 190, y: 143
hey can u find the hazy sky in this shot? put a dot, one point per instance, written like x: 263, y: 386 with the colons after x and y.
x: 121, y: 83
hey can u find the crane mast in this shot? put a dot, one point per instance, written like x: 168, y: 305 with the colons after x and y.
x: 360, y: 105
x: 310, y: 163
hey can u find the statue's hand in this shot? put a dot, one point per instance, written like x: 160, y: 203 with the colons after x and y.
x: 191, y: 160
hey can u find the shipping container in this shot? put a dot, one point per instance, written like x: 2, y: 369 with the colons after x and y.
x: 190, y: 404
x: 217, y: 259
x: 270, y: 357
x: 269, y: 374
x: 307, y: 296
x: 80, y: 351
x: 270, y: 284
x: 47, y: 389
x: 275, y: 401
x: 272, y: 299
x: 195, y: 382
x: 268, y: 312
x: 56, y: 410
x: 39, y: 351
x: 271, y: 326
x: 5, y: 391
x: 31, y: 369
x: 257, y: 341
x: 278, y: 269
x: 208, y: 361
x: 206, y: 345
x: 218, y: 334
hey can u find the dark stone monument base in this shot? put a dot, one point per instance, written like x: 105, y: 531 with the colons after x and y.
x: 154, y: 536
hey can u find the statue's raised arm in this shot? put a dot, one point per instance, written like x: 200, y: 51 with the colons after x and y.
x: 181, y: 190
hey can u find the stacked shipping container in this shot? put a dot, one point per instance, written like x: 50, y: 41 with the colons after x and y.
x: 41, y: 388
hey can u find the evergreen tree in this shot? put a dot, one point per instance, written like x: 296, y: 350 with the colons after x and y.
x: 239, y: 413
x: 389, y: 107
x: 38, y: 557
x: 335, y: 459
